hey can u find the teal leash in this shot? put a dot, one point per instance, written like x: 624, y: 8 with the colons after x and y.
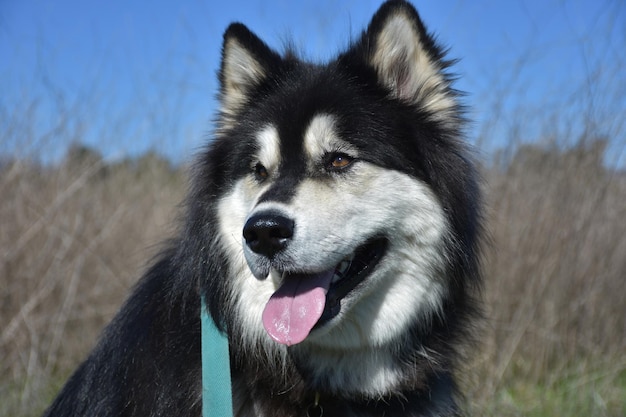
x: 217, y: 398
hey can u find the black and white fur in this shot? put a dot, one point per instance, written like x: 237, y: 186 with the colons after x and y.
x: 357, y: 162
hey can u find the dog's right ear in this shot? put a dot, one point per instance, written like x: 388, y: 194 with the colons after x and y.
x: 246, y: 62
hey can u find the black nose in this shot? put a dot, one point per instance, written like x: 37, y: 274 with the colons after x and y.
x: 268, y: 233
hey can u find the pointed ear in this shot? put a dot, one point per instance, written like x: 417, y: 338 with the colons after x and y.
x: 246, y: 62
x: 407, y: 59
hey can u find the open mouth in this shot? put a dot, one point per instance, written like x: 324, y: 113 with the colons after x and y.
x: 350, y: 273
x: 305, y: 301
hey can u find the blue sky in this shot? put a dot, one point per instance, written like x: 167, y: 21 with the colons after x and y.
x: 125, y: 77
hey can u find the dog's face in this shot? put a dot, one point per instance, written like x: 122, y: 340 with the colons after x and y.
x: 336, y: 236
x: 353, y: 249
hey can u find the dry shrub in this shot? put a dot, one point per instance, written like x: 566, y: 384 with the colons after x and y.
x: 73, y: 240
x: 556, y: 287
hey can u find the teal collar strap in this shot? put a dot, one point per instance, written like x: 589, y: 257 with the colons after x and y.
x: 217, y: 398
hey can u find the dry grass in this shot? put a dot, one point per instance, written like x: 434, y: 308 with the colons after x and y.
x: 74, y: 240
x: 556, y: 293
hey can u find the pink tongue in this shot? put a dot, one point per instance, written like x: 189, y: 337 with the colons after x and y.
x: 296, y: 306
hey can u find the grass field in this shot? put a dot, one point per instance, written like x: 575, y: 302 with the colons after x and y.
x: 75, y: 237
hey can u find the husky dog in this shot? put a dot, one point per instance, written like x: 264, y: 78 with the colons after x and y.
x: 333, y: 226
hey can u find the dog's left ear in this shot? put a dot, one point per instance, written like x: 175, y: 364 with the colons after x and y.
x: 406, y: 58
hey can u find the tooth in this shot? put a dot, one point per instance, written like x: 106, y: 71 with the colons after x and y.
x: 341, y: 269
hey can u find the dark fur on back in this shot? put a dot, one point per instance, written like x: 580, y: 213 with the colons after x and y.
x: 147, y: 362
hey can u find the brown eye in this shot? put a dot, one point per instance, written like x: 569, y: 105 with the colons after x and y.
x: 260, y: 172
x: 339, y: 161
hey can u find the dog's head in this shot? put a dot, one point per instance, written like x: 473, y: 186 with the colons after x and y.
x: 346, y: 204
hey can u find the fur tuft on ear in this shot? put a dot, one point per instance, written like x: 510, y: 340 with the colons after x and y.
x: 246, y: 62
x: 407, y: 59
